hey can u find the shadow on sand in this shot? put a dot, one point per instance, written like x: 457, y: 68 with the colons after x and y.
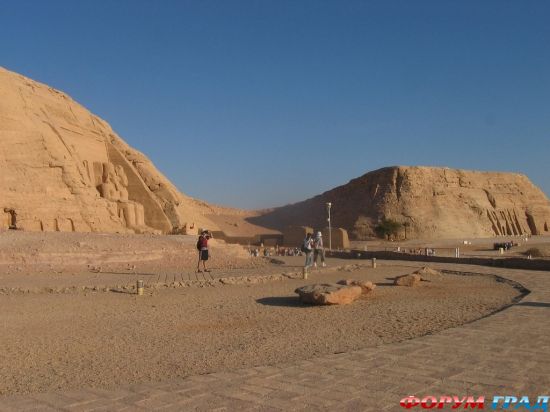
x: 384, y: 284
x: 288, y: 301
x: 128, y: 273
x: 534, y: 304
x: 124, y: 292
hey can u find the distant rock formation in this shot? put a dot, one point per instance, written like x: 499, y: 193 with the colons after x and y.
x: 431, y: 203
x: 64, y: 169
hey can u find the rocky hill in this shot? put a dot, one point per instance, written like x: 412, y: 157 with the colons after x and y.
x: 64, y: 169
x: 432, y: 202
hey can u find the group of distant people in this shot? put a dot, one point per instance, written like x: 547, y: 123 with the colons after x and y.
x: 504, y: 245
x: 312, y: 247
x: 275, y: 251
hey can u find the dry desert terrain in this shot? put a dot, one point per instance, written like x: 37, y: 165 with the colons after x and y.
x: 70, y: 337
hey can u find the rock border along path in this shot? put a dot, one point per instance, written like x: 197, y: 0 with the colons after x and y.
x: 507, y: 353
x: 184, y: 280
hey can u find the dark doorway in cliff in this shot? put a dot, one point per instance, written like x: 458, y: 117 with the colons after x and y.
x: 531, y: 223
x: 12, y: 218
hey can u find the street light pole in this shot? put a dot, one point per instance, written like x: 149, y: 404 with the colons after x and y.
x: 329, y: 205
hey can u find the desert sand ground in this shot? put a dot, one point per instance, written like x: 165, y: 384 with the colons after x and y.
x: 36, y: 261
x: 100, y: 338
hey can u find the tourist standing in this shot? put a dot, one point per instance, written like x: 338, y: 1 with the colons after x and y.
x: 307, y: 248
x: 318, y: 249
x: 202, y: 247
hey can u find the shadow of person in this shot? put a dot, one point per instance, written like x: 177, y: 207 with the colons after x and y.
x: 124, y: 292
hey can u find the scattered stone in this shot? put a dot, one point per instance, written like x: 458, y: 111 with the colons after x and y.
x: 94, y: 269
x: 428, y: 274
x: 365, y: 285
x: 328, y: 294
x: 408, y: 280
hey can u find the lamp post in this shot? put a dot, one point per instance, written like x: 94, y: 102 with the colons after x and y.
x: 329, y: 205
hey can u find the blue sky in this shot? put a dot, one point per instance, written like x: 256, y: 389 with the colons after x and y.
x: 262, y: 103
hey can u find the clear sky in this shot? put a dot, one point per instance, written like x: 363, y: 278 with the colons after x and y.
x: 261, y: 103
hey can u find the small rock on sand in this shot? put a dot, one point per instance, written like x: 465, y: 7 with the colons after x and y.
x: 429, y: 274
x: 328, y: 294
x: 408, y: 280
x: 365, y: 285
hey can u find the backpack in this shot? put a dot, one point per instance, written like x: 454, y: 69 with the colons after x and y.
x: 199, y: 243
x: 304, y: 247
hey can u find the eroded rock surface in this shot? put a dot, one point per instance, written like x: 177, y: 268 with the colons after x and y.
x: 433, y: 202
x: 365, y: 285
x: 328, y: 294
x: 428, y: 274
x: 64, y: 169
x: 411, y: 280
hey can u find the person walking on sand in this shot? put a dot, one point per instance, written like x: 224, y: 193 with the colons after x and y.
x: 307, y: 248
x: 318, y: 249
x: 202, y: 247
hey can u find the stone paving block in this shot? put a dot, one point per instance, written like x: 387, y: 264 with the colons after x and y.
x: 207, y: 404
x: 114, y: 394
x: 260, y: 390
x: 218, y: 401
x: 57, y: 400
x: 267, y: 370
x: 96, y: 404
x: 265, y: 408
x: 282, y: 401
x: 19, y: 404
x: 134, y: 398
x: 228, y: 376
x: 242, y: 395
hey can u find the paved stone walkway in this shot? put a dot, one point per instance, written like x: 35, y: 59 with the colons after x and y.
x: 507, y: 353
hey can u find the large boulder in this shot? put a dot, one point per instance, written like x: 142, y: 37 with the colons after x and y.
x: 408, y: 280
x: 328, y: 294
x: 365, y: 285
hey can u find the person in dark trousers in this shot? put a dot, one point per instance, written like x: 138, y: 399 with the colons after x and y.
x: 202, y: 247
x: 307, y: 248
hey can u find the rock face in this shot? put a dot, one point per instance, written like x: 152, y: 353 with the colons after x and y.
x: 64, y: 169
x: 433, y: 202
x: 328, y: 294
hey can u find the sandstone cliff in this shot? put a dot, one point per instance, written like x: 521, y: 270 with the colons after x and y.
x: 434, y: 202
x: 64, y: 169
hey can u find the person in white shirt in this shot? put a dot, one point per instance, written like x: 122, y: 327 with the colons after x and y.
x: 318, y: 249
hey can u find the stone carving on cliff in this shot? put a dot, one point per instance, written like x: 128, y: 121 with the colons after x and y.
x: 432, y: 202
x: 64, y: 169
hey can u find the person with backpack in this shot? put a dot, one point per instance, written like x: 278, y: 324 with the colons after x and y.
x: 202, y: 247
x: 318, y: 249
x: 307, y: 248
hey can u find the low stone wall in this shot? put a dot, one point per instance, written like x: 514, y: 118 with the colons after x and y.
x: 266, y: 239
x: 510, y: 262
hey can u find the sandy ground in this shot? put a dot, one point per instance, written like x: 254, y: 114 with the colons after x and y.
x: 103, y: 339
x: 238, y: 225
x: 42, y: 260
